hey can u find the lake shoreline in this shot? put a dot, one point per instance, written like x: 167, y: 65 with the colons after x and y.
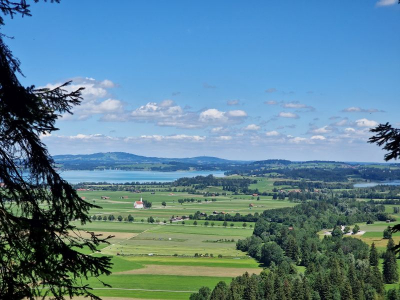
x: 121, y: 177
x: 373, y: 184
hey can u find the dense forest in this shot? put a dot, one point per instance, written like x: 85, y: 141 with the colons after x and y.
x: 335, y: 267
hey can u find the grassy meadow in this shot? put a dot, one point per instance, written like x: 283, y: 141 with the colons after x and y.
x: 164, y: 260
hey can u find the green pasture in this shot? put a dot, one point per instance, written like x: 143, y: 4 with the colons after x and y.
x: 243, y: 262
x: 263, y: 184
x: 242, y: 204
x: 138, y: 246
x: 169, y: 239
x: 153, y: 286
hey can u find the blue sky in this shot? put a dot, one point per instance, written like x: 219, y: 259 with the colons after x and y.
x: 298, y: 80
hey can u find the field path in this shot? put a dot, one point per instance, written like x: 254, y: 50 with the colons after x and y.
x: 191, y: 271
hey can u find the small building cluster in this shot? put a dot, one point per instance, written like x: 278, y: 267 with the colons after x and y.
x: 175, y: 219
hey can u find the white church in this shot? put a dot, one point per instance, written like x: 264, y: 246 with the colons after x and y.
x: 138, y: 204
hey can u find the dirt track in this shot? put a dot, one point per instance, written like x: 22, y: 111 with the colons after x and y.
x: 191, y: 271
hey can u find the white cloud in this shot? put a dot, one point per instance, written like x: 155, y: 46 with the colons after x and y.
x: 324, y: 129
x: 237, y: 113
x: 288, y: 115
x: 297, y: 105
x: 349, y: 130
x: 214, y: 116
x: 252, y: 127
x: 85, y: 137
x: 386, y: 2
x: 218, y: 129
x: 272, y: 133
x: 318, y: 137
x: 224, y: 138
x: 271, y: 90
x: 92, y: 94
x: 152, y: 111
x: 107, y: 84
x: 297, y: 140
x: 176, y: 137
x: 359, y: 109
x: 272, y: 102
x: 109, y: 105
x: 366, y: 123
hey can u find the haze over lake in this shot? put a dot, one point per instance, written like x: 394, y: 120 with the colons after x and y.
x: 372, y: 184
x: 118, y: 176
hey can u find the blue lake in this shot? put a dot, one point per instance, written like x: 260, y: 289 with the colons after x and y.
x: 118, y: 176
x: 372, y: 184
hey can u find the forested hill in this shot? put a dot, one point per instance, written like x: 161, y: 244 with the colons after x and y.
x: 301, y: 265
x: 128, y: 161
x: 328, y: 171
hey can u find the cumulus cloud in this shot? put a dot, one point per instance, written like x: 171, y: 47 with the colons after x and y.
x: 237, y: 113
x: 93, y: 95
x: 167, y: 113
x: 215, y: 116
x: 349, y: 130
x: 318, y: 137
x: 366, y: 123
x: 174, y: 137
x: 324, y: 129
x: 152, y: 110
x: 288, y: 115
x: 272, y: 133
x: 386, y: 2
x: 252, y: 127
x: 363, y: 110
x: 271, y: 90
x: 291, y: 105
x: 218, y: 129
x: 297, y: 140
x: 297, y: 105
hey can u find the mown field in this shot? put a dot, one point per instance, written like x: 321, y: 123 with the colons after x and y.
x: 164, y: 260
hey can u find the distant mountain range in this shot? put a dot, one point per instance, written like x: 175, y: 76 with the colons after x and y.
x: 128, y: 161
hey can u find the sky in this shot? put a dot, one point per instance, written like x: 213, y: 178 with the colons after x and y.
x: 248, y: 80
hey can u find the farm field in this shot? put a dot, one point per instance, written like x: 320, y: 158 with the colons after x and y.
x: 228, y: 204
x: 164, y: 260
x: 145, y: 266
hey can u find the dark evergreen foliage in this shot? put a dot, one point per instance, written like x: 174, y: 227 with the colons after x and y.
x: 39, y: 248
x: 337, y: 267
